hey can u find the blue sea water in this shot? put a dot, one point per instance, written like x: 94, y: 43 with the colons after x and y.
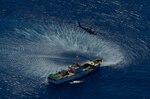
x: 38, y: 37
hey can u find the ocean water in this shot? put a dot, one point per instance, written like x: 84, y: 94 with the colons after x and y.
x: 38, y: 37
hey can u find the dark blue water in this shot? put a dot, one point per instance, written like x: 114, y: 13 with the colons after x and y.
x: 38, y: 37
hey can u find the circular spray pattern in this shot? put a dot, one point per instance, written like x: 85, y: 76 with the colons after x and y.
x: 43, y: 49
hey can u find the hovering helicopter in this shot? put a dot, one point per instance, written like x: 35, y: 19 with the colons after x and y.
x: 88, y: 30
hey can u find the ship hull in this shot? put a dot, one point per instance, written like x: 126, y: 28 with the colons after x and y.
x: 74, y: 77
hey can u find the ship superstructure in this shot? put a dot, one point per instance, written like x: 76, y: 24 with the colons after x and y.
x: 75, y: 71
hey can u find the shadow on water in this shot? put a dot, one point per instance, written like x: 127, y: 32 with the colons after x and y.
x: 73, y: 55
x: 67, y: 58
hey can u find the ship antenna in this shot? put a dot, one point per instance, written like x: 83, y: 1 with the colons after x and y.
x: 77, y: 60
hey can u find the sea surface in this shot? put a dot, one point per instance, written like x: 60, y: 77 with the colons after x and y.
x: 39, y: 37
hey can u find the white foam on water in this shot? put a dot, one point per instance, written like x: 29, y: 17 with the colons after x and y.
x: 48, y: 48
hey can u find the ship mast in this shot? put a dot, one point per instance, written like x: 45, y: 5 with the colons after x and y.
x: 77, y: 60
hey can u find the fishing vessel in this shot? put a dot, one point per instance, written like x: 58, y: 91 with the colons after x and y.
x: 75, y: 71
